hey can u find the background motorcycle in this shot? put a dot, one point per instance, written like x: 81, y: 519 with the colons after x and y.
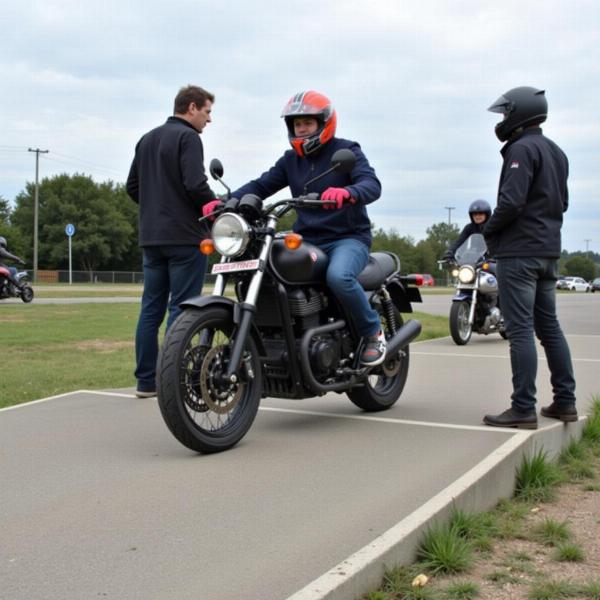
x: 9, y: 290
x: 284, y: 335
x: 475, y: 303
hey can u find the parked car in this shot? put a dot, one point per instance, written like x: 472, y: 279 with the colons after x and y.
x: 574, y: 284
x: 596, y: 284
x: 428, y: 280
x: 560, y: 282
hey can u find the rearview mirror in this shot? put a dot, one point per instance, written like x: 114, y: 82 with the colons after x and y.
x: 343, y: 160
x: 216, y: 168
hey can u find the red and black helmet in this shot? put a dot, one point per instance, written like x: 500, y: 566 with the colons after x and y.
x: 310, y: 104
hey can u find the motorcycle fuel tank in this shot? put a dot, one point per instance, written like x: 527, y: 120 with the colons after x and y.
x: 487, y: 283
x: 307, y: 264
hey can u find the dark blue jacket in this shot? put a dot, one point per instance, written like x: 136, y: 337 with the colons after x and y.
x: 319, y: 226
x: 468, y: 230
x: 168, y: 181
x: 532, y: 197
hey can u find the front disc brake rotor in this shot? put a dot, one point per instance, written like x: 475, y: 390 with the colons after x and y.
x: 219, y: 397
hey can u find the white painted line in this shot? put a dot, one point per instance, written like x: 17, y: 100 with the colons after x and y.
x: 352, y: 566
x: 23, y: 404
x: 393, y: 421
x: 66, y: 394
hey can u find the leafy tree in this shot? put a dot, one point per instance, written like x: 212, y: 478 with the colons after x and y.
x: 4, y: 211
x: 103, y: 232
x: 440, y: 236
x: 581, y: 266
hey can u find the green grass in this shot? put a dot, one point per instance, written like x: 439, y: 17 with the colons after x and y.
x: 551, y: 532
x: 552, y: 590
x: 537, y: 478
x: 53, y: 349
x: 569, y: 552
x: 463, y: 590
x: 444, y: 550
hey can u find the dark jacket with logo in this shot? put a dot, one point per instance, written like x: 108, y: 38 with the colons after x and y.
x: 168, y: 181
x: 319, y: 226
x: 532, y: 197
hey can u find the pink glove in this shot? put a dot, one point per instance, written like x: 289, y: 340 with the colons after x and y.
x: 210, y: 207
x: 338, y: 195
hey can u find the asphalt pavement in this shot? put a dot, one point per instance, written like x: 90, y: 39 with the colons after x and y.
x: 98, y: 500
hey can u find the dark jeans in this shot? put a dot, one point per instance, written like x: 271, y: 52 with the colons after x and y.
x: 347, y: 258
x: 171, y: 275
x: 528, y: 296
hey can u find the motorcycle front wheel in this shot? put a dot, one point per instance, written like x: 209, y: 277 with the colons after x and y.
x: 460, y: 330
x: 27, y: 293
x: 386, y: 382
x: 202, y: 410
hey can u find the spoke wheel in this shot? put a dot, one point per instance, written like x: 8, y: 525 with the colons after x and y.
x: 460, y: 330
x: 205, y: 411
x: 386, y: 382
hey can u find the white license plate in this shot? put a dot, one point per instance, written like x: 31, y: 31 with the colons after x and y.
x: 231, y: 267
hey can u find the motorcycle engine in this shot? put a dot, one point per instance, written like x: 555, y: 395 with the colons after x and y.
x: 324, y: 354
x: 305, y: 307
x: 493, y: 318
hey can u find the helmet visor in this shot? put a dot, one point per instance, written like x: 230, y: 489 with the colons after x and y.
x: 305, y: 109
x: 503, y: 105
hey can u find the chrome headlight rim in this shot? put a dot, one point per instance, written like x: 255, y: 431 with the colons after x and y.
x: 230, y: 234
x: 466, y: 274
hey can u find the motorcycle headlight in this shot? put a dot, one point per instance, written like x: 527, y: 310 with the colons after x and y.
x: 466, y: 274
x: 231, y: 234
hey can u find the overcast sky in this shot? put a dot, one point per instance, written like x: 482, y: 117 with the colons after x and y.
x: 410, y: 81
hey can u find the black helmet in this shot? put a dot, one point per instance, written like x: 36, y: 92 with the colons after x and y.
x: 2, y: 242
x: 480, y: 206
x: 520, y: 106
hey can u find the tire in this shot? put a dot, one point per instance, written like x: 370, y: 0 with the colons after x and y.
x: 203, y: 413
x: 460, y: 330
x: 386, y: 382
x: 27, y: 293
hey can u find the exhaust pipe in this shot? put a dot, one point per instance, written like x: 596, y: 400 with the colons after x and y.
x: 404, y: 336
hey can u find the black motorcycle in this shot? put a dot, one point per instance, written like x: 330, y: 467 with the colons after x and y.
x: 8, y: 289
x: 284, y: 335
x: 475, y: 303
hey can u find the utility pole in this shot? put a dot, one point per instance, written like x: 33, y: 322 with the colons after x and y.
x: 449, y: 209
x: 587, y: 248
x: 35, y: 209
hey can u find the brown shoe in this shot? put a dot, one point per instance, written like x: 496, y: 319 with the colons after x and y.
x: 512, y: 418
x: 567, y: 413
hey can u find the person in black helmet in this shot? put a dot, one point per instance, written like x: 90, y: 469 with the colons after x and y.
x: 523, y: 234
x: 479, y: 213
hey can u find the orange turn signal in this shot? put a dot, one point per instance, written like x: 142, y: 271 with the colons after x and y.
x: 485, y: 266
x: 207, y: 246
x: 292, y: 241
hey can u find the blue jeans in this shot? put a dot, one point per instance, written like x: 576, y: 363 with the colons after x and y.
x: 347, y: 258
x: 527, y: 289
x: 171, y: 275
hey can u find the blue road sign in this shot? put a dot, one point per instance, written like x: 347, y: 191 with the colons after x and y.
x: 70, y: 229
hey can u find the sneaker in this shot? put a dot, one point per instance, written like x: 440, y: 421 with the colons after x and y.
x: 143, y: 394
x: 373, y: 353
x: 567, y: 413
x: 513, y: 418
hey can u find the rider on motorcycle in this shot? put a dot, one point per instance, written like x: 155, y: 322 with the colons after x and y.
x: 4, y: 253
x: 479, y: 213
x: 343, y: 232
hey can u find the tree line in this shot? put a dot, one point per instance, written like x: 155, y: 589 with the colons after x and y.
x: 106, y: 236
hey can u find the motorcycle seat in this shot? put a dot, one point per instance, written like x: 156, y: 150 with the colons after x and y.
x: 380, y: 266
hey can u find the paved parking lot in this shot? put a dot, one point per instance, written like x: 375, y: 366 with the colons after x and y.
x: 98, y: 500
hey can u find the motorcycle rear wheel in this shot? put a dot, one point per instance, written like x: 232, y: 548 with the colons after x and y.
x: 386, y: 382
x: 460, y: 330
x: 202, y: 411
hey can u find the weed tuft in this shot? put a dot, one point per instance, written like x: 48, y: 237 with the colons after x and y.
x: 569, y: 552
x: 551, y: 590
x: 536, y: 478
x: 464, y: 590
x: 444, y: 550
x: 551, y: 532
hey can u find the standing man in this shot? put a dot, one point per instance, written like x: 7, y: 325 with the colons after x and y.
x: 168, y: 181
x: 524, y: 235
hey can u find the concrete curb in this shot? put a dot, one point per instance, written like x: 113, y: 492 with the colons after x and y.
x: 479, y: 489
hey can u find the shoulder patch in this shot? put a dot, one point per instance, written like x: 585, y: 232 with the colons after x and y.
x: 514, y: 164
